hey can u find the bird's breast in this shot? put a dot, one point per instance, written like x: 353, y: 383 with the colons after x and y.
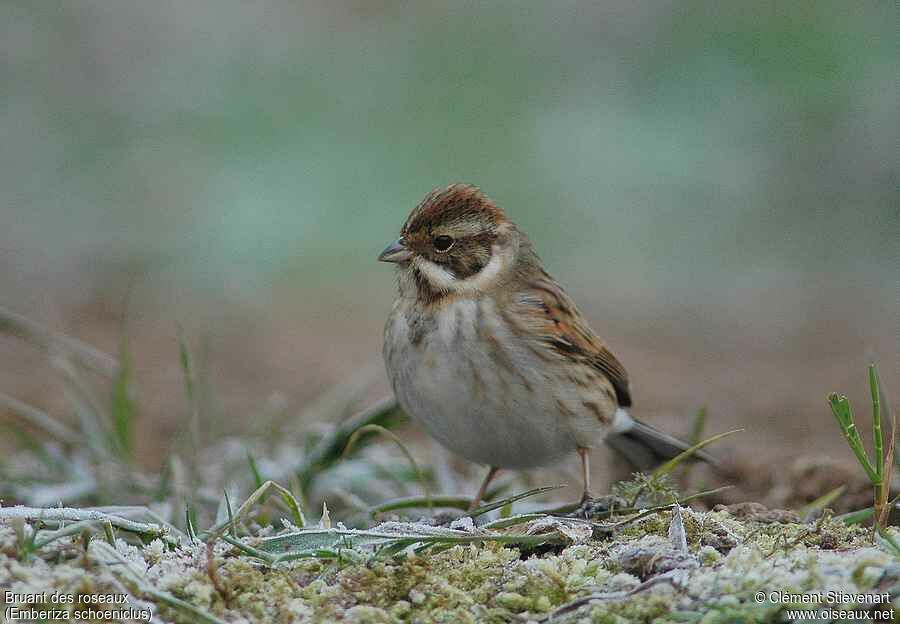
x: 468, y: 378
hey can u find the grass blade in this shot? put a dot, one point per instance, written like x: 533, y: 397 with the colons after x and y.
x: 857, y: 517
x: 888, y: 460
x: 887, y: 540
x: 254, y: 468
x: 418, y: 502
x: 231, y: 524
x: 881, y: 472
x: 877, y: 438
x: 252, y: 500
x: 189, y: 524
x: 61, y: 515
x: 38, y: 335
x: 40, y: 419
x: 123, y: 407
x: 393, y: 437
x: 94, y: 422
x: 330, y: 449
x: 48, y: 537
x: 193, y: 419
x: 840, y: 407
x: 698, y: 426
x: 670, y: 465
x: 249, y: 550
x: 808, y: 511
x: 512, y: 499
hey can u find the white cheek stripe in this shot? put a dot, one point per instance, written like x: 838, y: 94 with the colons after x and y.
x: 438, y: 277
x: 442, y: 279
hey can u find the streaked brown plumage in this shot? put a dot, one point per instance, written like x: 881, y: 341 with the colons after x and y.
x: 489, y: 353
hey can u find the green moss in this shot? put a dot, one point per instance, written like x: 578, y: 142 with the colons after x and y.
x: 652, y: 608
x: 657, y: 524
x: 491, y: 583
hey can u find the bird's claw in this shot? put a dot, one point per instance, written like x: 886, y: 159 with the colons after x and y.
x: 591, y: 507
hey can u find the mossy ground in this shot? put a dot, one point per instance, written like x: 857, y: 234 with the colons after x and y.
x: 633, y: 575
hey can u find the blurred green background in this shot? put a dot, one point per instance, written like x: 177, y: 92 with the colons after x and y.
x: 717, y: 184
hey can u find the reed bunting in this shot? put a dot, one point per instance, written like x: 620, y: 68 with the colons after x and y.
x: 487, y: 351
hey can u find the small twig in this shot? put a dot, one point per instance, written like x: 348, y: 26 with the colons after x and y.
x: 212, y: 570
x: 668, y: 577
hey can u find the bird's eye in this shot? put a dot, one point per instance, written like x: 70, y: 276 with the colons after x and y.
x: 442, y: 244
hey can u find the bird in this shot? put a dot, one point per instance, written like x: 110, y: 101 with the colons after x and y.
x: 485, y: 349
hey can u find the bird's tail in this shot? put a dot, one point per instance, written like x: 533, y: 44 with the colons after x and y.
x: 645, y: 447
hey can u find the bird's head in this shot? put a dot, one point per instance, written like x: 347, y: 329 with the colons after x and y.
x: 455, y: 241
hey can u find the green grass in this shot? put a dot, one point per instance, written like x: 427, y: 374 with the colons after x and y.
x: 75, y: 471
x: 184, y: 498
x: 880, y: 469
x: 87, y: 460
x: 79, y: 479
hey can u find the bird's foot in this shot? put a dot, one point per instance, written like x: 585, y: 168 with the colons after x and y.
x: 602, y: 506
x: 444, y: 518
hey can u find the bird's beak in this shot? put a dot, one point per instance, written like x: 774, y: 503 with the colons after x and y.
x: 395, y: 252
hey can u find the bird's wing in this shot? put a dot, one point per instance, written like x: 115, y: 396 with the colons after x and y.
x: 551, y: 315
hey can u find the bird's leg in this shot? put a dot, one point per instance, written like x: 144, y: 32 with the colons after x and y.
x: 591, y: 507
x: 585, y: 454
x: 492, y: 472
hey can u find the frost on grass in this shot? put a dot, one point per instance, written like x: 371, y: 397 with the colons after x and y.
x: 674, y: 565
